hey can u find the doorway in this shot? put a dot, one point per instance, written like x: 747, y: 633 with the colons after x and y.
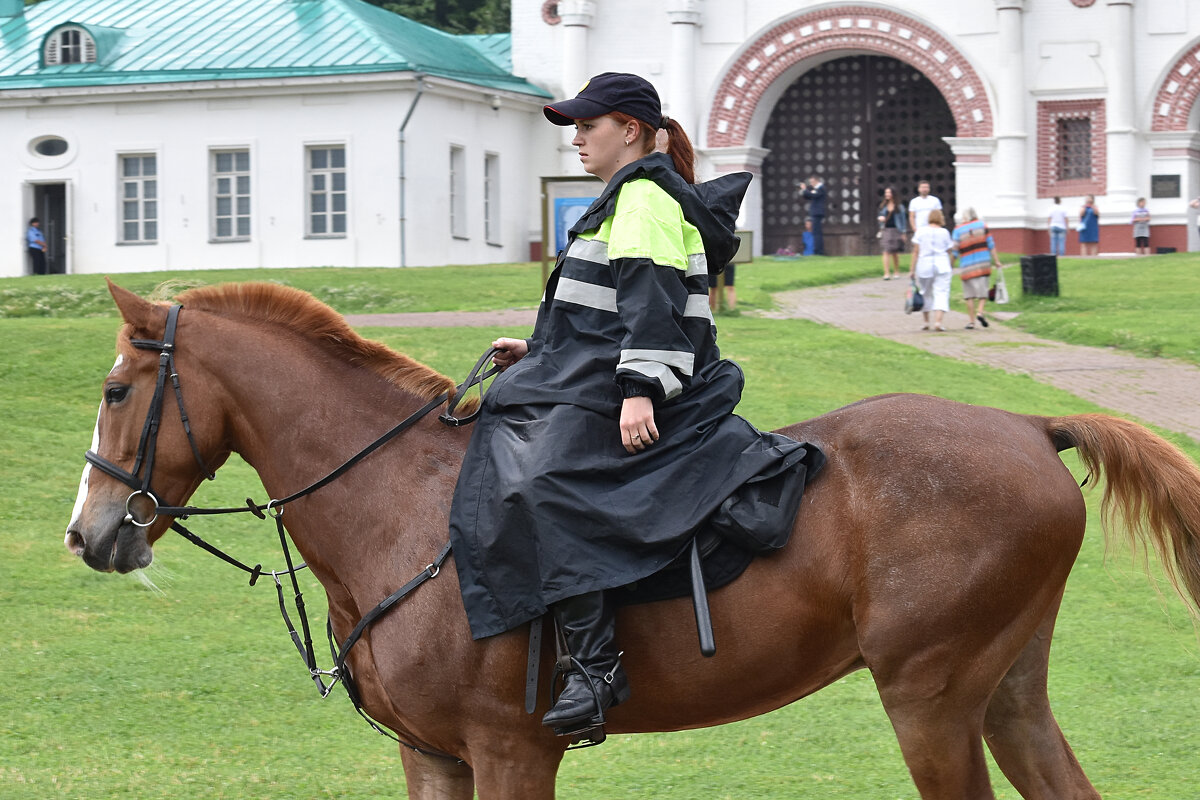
x: 50, y: 205
x: 862, y: 123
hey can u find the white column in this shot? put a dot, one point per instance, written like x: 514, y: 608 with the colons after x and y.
x: 577, y: 17
x: 1010, y: 132
x: 1120, y: 108
x: 680, y: 102
x: 1176, y: 153
x: 743, y: 159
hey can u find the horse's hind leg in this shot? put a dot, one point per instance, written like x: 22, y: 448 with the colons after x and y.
x: 935, y: 692
x: 1022, y: 733
x: 942, y: 745
x: 436, y: 778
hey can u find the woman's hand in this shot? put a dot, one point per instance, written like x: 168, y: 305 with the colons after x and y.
x: 511, y: 351
x: 637, y: 424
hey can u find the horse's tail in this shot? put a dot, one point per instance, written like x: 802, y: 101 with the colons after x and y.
x: 1150, y: 483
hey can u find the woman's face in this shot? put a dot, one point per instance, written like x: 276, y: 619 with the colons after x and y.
x: 602, y: 146
x: 887, y: 195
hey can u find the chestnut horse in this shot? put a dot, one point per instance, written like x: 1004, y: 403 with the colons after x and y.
x: 950, y: 605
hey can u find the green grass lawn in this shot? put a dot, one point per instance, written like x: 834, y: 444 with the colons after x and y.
x: 1145, y: 305
x: 193, y: 691
x: 1139, y: 304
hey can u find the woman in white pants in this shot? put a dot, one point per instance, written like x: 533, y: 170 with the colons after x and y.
x: 930, y: 268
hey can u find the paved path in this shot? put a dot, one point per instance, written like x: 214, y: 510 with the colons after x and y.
x: 1155, y: 390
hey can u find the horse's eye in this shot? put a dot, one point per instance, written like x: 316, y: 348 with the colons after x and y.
x: 115, y: 394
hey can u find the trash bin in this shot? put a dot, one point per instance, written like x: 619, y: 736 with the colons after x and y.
x: 1039, y: 275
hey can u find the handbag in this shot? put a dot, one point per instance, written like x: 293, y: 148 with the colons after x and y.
x: 913, y: 299
x: 999, y: 293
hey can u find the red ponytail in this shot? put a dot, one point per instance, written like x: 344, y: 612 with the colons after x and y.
x: 679, y: 146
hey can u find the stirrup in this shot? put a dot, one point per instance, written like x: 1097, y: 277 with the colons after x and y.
x: 587, y: 737
x: 592, y: 730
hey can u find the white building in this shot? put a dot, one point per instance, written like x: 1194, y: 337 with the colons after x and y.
x: 257, y: 133
x: 227, y: 133
x: 1002, y: 104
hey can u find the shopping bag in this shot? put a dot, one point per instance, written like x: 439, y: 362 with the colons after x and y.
x: 913, y: 299
x: 999, y: 292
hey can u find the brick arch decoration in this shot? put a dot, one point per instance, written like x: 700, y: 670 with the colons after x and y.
x: 1177, y: 93
x: 856, y: 28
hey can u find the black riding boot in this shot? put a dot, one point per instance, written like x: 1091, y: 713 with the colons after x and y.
x: 588, y: 622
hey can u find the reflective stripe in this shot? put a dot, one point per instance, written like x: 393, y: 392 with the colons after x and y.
x: 678, y: 359
x: 586, y: 294
x: 660, y: 372
x: 697, y: 306
x: 594, y: 250
x: 697, y: 265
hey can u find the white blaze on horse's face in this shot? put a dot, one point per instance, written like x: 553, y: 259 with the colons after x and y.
x: 81, y: 496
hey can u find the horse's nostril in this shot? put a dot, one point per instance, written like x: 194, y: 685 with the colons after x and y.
x: 75, y: 542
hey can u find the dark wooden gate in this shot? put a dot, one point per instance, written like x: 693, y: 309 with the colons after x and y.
x: 862, y: 123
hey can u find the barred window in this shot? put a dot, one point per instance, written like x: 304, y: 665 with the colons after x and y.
x: 1075, y: 149
x: 139, y: 198
x: 230, y: 195
x: 327, y: 191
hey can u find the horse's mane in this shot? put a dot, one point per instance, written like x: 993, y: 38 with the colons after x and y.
x: 304, y: 315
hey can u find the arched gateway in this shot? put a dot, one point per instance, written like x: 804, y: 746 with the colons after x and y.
x: 872, y: 75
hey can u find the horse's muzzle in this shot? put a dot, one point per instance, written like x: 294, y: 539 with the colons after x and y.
x: 125, y: 550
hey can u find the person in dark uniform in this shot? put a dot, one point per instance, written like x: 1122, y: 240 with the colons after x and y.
x: 35, y: 243
x: 609, y: 439
x: 816, y: 195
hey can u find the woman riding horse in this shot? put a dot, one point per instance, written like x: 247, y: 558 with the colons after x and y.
x: 607, y: 425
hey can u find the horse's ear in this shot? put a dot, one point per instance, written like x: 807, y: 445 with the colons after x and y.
x: 141, y: 314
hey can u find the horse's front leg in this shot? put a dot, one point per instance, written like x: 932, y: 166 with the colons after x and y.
x: 436, y: 778
x: 519, y: 768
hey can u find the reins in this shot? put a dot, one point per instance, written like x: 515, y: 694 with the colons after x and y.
x: 302, y: 639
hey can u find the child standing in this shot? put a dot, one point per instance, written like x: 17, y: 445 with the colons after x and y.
x: 807, y: 236
x: 1141, y: 228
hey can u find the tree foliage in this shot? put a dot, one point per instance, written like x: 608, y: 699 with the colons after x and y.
x: 454, y: 16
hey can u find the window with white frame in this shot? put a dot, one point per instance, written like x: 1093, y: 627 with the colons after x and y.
x: 491, y: 198
x: 230, y: 195
x: 458, y: 191
x: 326, y: 191
x: 138, y: 181
x: 70, y: 45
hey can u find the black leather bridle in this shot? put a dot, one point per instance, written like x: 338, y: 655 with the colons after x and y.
x: 139, y: 479
x: 148, y: 442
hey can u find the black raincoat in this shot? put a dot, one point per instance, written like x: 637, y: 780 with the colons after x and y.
x: 549, y: 504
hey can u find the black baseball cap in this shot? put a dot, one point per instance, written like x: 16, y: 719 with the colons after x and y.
x: 607, y: 92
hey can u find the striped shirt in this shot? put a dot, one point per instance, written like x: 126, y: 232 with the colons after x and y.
x: 973, y: 243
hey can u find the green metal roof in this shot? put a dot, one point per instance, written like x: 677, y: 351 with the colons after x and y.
x: 161, y: 41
